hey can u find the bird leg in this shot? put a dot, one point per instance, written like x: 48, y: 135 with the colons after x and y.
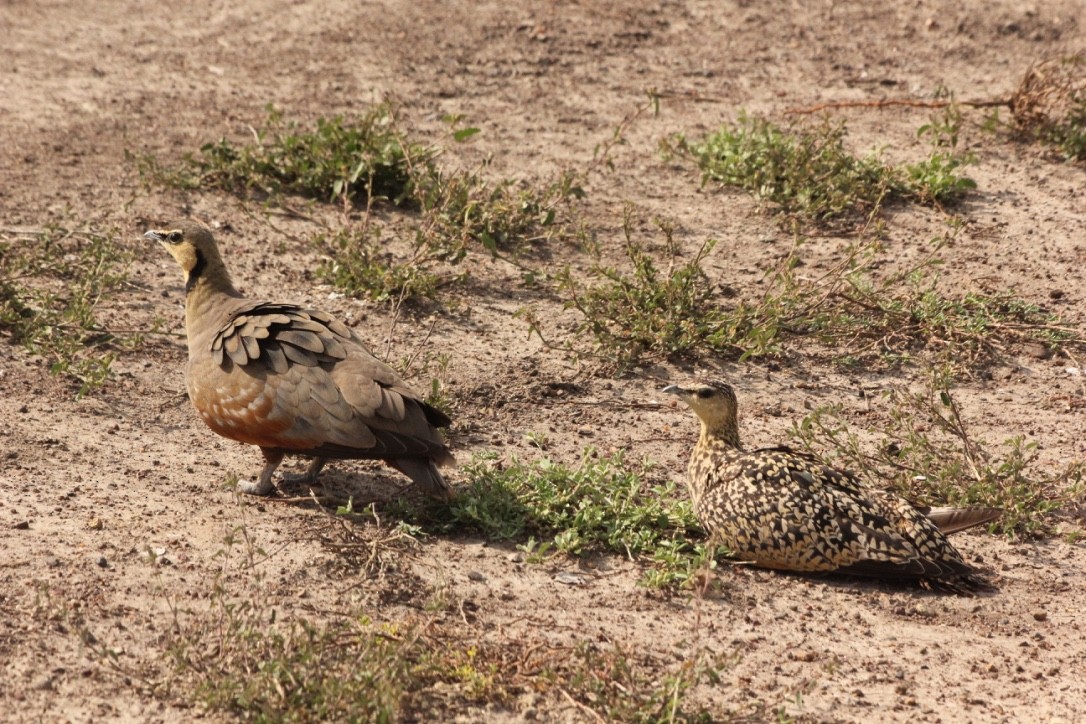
x: 264, y: 484
x: 309, y: 476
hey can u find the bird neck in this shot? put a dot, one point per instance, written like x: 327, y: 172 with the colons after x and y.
x: 205, y: 285
x: 720, y: 432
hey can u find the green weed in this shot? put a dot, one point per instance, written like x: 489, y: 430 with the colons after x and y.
x: 681, y: 564
x: 599, y: 505
x: 355, y: 262
x: 809, y: 173
x: 905, y: 315
x: 666, y: 312
x: 51, y: 288
x: 231, y: 653
x: 926, y: 451
x: 615, y: 689
x: 937, y: 179
x: 462, y: 211
x: 661, y: 312
x: 805, y: 172
x: 861, y: 315
x: 356, y: 161
x: 438, y: 395
x: 341, y: 159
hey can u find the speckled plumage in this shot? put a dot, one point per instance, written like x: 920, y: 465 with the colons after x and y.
x: 782, y: 509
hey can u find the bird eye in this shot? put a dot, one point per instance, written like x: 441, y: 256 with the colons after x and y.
x: 173, y: 237
x: 705, y: 392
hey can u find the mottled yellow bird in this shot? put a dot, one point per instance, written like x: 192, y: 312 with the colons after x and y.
x: 782, y: 509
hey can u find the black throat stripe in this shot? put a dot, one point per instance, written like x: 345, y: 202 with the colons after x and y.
x: 195, y: 272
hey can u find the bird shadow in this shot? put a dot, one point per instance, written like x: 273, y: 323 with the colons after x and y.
x: 363, y: 495
x: 972, y: 586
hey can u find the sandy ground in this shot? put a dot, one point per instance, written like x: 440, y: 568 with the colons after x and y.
x: 90, y: 486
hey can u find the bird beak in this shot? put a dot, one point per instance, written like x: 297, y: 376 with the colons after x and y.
x: 674, y: 390
x: 153, y: 235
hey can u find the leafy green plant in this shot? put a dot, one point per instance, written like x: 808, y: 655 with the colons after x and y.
x: 651, y: 310
x: 356, y: 263
x: 355, y: 161
x: 943, y: 130
x: 905, y: 315
x: 345, y: 159
x: 804, y: 172
x: 660, y: 313
x: 853, y: 310
x: 937, y: 180
x: 1069, y: 137
x: 51, y: 288
x: 682, y: 564
x: 462, y: 210
x: 600, y: 504
x: 926, y: 451
x: 808, y: 172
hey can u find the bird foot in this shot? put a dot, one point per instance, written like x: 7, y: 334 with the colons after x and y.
x: 264, y: 484
x: 297, y: 478
x: 257, y: 487
x: 308, y: 477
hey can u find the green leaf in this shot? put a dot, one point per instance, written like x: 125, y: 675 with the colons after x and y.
x: 465, y: 133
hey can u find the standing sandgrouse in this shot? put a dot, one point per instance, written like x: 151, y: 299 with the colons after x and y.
x: 782, y: 509
x: 295, y: 381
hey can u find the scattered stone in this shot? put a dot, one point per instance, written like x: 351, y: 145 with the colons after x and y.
x: 1040, y: 616
x: 476, y: 576
x: 571, y: 579
x: 1039, y: 351
x: 22, y: 525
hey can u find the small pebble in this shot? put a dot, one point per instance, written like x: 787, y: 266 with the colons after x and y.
x: 570, y: 579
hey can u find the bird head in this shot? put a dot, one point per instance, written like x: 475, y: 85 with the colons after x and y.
x: 194, y: 249
x: 715, y: 405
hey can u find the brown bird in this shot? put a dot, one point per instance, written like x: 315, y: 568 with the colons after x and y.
x: 293, y: 380
x: 779, y: 508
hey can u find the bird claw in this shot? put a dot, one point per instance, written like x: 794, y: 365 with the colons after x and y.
x: 297, y: 478
x: 258, y: 487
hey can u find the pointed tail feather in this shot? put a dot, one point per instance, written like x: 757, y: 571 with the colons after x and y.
x: 968, y: 585
x: 425, y: 474
x: 952, y: 520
